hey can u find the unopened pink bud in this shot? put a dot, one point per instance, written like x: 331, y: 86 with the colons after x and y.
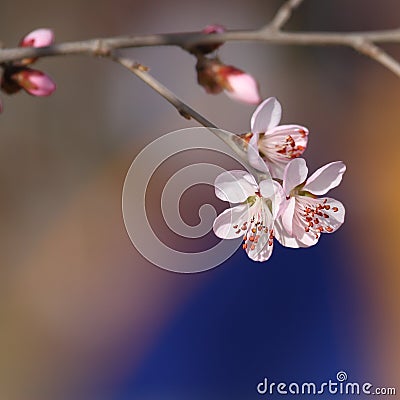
x: 35, y: 82
x: 213, y: 29
x: 242, y: 87
x: 207, y: 75
x: 215, y: 77
x: 38, y: 38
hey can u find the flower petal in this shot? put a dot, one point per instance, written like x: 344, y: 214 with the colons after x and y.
x: 281, y: 144
x: 272, y: 190
x: 283, y: 237
x: 288, y: 216
x: 295, y: 173
x: 306, y: 239
x: 235, y: 186
x: 243, y: 87
x: 38, y: 38
x: 224, y: 224
x: 254, y: 157
x: 284, y: 142
x: 312, y: 217
x: 266, y: 116
x: 262, y: 251
x: 325, y: 178
x: 336, y: 214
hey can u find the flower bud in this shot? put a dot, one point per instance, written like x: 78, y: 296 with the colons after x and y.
x: 34, y: 82
x: 207, y: 48
x: 8, y: 84
x: 38, y: 38
x: 242, y: 87
x: 216, y: 77
x: 207, y: 75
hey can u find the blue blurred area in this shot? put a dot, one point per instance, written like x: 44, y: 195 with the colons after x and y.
x: 290, y: 320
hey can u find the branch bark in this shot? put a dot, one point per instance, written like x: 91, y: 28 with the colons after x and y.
x: 363, y: 42
x: 103, y: 46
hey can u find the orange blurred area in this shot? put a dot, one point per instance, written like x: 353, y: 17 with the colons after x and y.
x: 77, y: 300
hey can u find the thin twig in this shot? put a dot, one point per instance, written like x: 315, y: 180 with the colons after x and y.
x: 376, y: 53
x: 283, y: 15
x: 235, y: 142
x: 141, y: 71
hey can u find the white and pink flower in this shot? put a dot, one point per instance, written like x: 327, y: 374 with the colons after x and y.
x: 255, y: 208
x: 304, y: 216
x: 277, y: 144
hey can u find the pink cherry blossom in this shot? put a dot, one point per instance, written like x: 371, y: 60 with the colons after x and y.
x: 38, y: 38
x: 304, y: 216
x: 34, y: 82
x: 277, y: 144
x: 256, y: 206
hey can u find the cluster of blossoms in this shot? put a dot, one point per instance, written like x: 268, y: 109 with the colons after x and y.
x: 216, y: 77
x: 18, y: 75
x: 286, y: 204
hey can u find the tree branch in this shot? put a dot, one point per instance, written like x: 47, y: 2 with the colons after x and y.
x: 376, y: 53
x: 102, y: 47
x: 235, y: 142
x: 283, y: 14
x: 141, y: 71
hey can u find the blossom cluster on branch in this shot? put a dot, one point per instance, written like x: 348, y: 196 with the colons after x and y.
x: 283, y: 203
x: 276, y: 201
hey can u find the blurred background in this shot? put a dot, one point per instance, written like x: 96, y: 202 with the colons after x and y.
x: 84, y: 316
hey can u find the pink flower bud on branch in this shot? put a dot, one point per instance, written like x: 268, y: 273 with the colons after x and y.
x: 216, y: 77
x: 34, y: 82
x: 210, y: 47
x: 37, y: 38
x: 18, y: 75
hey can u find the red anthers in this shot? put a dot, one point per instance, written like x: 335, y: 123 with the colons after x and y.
x: 311, y: 213
x: 289, y: 148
